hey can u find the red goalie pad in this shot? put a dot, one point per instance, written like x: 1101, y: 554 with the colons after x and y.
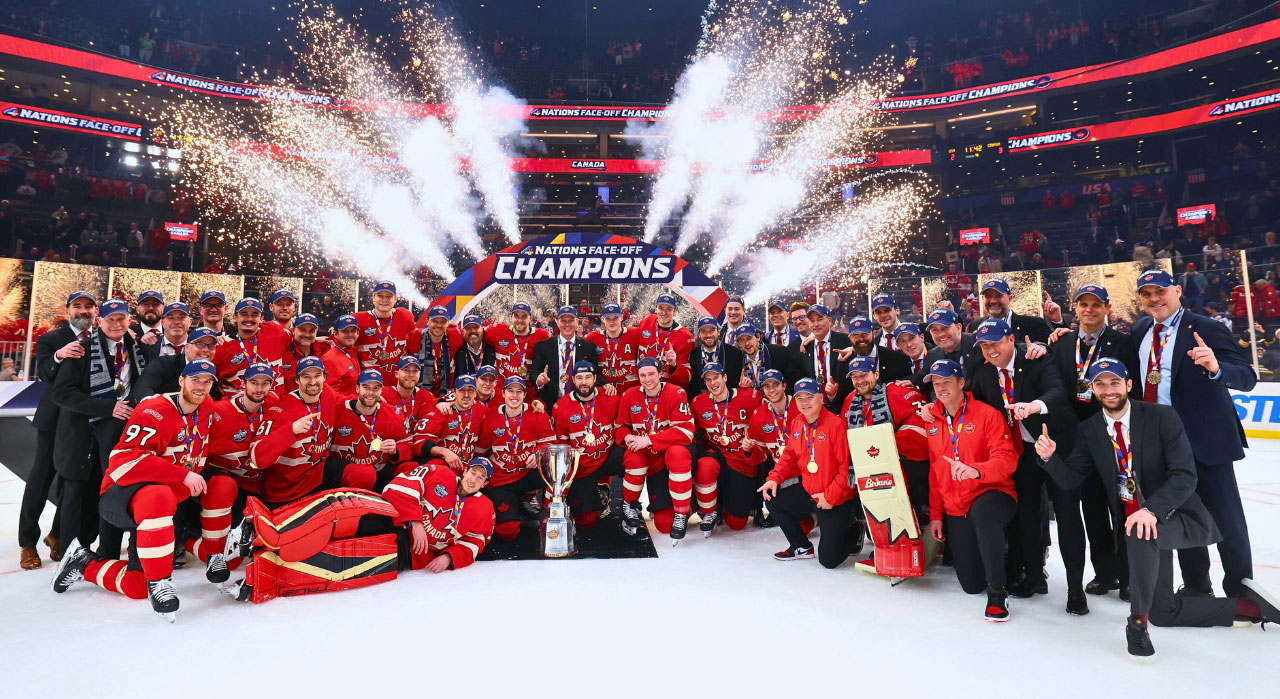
x: 903, y: 558
x: 298, y: 530
x: 340, y: 565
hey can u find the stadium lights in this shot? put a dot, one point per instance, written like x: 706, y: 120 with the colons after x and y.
x: 130, y: 161
x: 174, y: 153
x: 173, y: 166
x: 153, y: 150
x: 132, y: 147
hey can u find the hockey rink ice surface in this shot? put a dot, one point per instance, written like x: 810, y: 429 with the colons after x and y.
x: 718, y: 617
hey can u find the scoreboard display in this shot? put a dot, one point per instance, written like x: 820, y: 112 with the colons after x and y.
x: 974, y: 151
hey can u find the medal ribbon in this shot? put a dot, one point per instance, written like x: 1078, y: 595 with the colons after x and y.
x: 722, y: 415
x: 809, y: 431
x: 1157, y: 349
x: 822, y: 363
x: 121, y: 358
x: 1124, y: 468
x: 251, y: 350
x: 1082, y: 364
x: 866, y: 412
x: 189, y: 422
x: 369, y: 422
x: 437, y: 362
x: 753, y: 370
x: 383, y: 335
x: 611, y: 349
x: 523, y: 348
x: 513, y: 434
x: 589, y: 412
x: 651, y: 413
x: 406, y: 408
x: 953, y: 432
x: 457, y: 510
x: 465, y: 436
x: 254, y: 418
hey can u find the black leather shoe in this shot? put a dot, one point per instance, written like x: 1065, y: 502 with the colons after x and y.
x: 1189, y: 591
x: 1124, y: 593
x: 1034, y: 584
x: 1140, y: 648
x: 1077, y: 603
x: 1101, y: 586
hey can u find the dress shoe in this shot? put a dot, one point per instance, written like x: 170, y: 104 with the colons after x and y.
x: 1101, y: 586
x: 1124, y: 593
x: 30, y: 559
x: 1029, y: 585
x: 1189, y: 591
x: 55, y: 548
x: 1139, y: 641
x: 1077, y: 603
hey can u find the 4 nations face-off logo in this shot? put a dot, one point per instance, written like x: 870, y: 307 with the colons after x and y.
x: 1245, y: 105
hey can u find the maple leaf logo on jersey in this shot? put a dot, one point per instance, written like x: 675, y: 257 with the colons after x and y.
x: 344, y: 431
x: 873, y: 452
x: 440, y: 490
x: 503, y: 507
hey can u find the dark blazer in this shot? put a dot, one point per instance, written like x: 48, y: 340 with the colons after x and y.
x: 1033, y: 379
x: 965, y: 354
x: 150, y: 352
x: 161, y: 376
x: 462, y: 359
x: 546, y: 355
x: 839, y: 368
x: 879, y: 335
x: 733, y: 360
x: 1162, y: 464
x: 792, y: 365
x: 893, y: 364
x: 76, y: 435
x: 46, y: 419
x: 1035, y: 327
x: 1111, y: 343
x: 1204, y: 404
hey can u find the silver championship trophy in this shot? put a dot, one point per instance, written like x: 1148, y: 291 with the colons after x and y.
x: 556, y: 533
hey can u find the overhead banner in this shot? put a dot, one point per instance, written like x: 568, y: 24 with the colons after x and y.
x: 1169, y: 58
x: 67, y: 121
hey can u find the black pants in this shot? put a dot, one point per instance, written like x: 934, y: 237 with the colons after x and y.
x: 1107, y: 558
x: 1151, y: 590
x: 792, y: 504
x: 917, y: 474
x: 584, y: 492
x: 36, y: 493
x: 1031, y: 482
x: 506, y: 498
x: 977, y: 541
x: 1216, y: 486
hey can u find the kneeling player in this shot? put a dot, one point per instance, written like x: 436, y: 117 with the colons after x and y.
x: 451, y: 436
x: 584, y: 420
x: 655, y: 425
x: 513, y: 437
x: 725, y: 475
x: 155, y: 466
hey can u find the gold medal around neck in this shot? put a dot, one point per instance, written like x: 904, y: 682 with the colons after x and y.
x: 1153, y: 377
x: 724, y: 439
x: 376, y: 444
x: 119, y: 389
x: 523, y: 371
x: 812, y: 467
x: 1130, y: 485
x: 1081, y: 385
x: 589, y: 439
x: 189, y: 463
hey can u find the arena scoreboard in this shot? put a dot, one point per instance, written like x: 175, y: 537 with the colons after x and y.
x: 974, y: 151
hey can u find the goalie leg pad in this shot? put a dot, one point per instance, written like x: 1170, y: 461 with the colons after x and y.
x: 302, y: 528
x: 345, y: 564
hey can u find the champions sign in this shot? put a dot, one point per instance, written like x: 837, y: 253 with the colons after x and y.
x: 66, y: 121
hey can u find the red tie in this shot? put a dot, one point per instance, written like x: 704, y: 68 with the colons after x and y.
x: 915, y: 366
x: 1151, y: 391
x: 1016, y: 432
x: 822, y: 364
x: 777, y: 337
x: 1130, y: 505
x: 177, y: 349
x: 83, y: 334
x: 890, y: 338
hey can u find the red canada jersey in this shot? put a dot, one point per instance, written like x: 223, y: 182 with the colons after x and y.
x: 894, y: 404
x: 616, y: 357
x: 383, y: 341
x: 575, y: 418
x: 512, y: 352
x: 664, y: 418
x: 655, y: 341
x: 160, y: 444
x: 769, y: 429
x: 293, y: 465
x: 457, y: 430
x: 412, y: 410
x: 353, y: 435
x: 233, y: 432
x: 236, y: 354
x: 289, y: 363
x: 458, y: 526
x: 510, y: 441
x: 729, y: 419
x: 341, y: 368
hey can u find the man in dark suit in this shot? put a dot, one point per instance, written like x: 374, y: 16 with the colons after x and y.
x: 819, y: 352
x: 759, y: 357
x: 1074, y: 351
x: 779, y: 330
x: 885, y: 312
x: 1190, y: 361
x: 474, y: 352
x: 949, y: 342
x: 162, y: 374
x: 1141, y: 454
x: 910, y: 341
x: 52, y: 349
x: 997, y: 301
x: 710, y: 349
x: 554, y: 357
x: 1030, y: 392
x: 91, y: 392
x: 893, y: 365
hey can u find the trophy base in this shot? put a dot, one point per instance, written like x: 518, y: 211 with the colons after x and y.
x: 556, y: 535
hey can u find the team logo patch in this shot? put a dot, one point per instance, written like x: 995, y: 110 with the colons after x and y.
x: 453, y: 424
x: 503, y: 344
x: 370, y: 331
x: 287, y: 367
x: 767, y: 429
x: 344, y: 431
x: 707, y: 415
x: 240, y: 436
x: 646, y: 334
x: 873, y: 452
x: 238, y: 359
x: 635, y: 410
x: 575, y: 419
x: 968, y: 428
x: 933, y: 431
x: 499, y: 431
x: 182, y: 435
x: 821, y: 436
x: 440, y: 490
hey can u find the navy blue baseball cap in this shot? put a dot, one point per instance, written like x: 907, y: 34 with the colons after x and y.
x: 197, y: 367
x: 908, y: 328
x: 213, y: 295
x: 283, y: 294
x: 486, y: 370
x: 151, y: 294
x: 1156, y: 277
x: 820, y: 310
x: 200, y: 333
x: 386, y: 286
x: 807, y: 385
x: 1095, y: 289
x: 305, y: 319
x: 863, y: 364
x: 481, y: 462
x: 464, y: 381
x: 772, y: 375
x: 707, y: 322
x: 472, y: 320
x: 584, y: 367
x: 521, y: 307
x: 998, y: 284
x: 709, y: 367
x: 257, y: 369
x: 667, y: 299
x: 776, y: 303
x: 861, y: 324
x: 1106, y: 365
x: 82, y: 294
x: 611, y: 309
x: 112, y: 307
x: 883, y: 301
x: 945, y: 368
x: 992, y: 330
x: 345, y: 321
x: 310, y: 363
x: 408, y: 361
x: 176, y: 306
x: 567, y: 311
x: 647, y: 361
x: 369, y: 375
x: 744, y: 330
x: 514, y: 381
x: 248, y: 302
x: 437, y: 312
x: 942, y: 316
x: 734, y: 299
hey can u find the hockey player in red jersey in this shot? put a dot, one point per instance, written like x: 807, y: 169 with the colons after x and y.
x: 450, y: 519
x: 283, y: 307
x: 664, y: 339
x: 304, y: 344
x: 155, y: 466
x: 387, y: 333
x: 341, y: 364
x: 874, y: 403
x: 724, y: 477
x: 584, y: 419
x: 413, y: 405
x: 435, y: 351
x: 487, y: 386
x: 513, y: 344
x: 513, y: 439
x: 655, y: 426
x: 252, y: 343
x: 616, y: 349
x: 452, y: 437
x: 370, y: 444
x: 767, y: 434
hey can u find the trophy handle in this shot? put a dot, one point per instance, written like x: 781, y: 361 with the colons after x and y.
x: 574, y: 473
x: 542, y: 474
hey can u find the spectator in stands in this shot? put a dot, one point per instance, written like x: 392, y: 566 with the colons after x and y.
x: 1189, y: 245
x: 90, y: 238
x: 126, y: 46
x: 1193, y: 288
x: 1170, y: 252
x: 134, y: 241
x: 1142, y: 253
x: 145, y: 46
x: 109, y: 238
x: 8, y: 370
x: 1212, y: 251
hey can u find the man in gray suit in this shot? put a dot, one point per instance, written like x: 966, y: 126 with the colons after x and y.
x: 1142, y: 453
